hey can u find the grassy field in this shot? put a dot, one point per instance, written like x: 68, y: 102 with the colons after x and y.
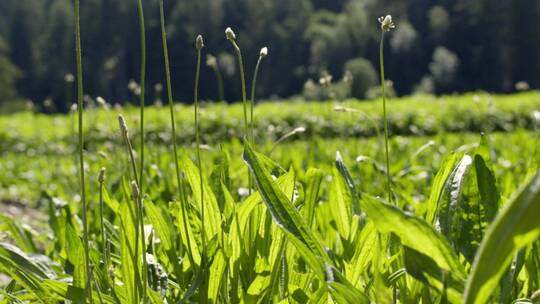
x: 318, y: 224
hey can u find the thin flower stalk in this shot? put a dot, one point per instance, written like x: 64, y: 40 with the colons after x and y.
x: 263, y: 53
x: 180, y: 185
x: 80, y: 96
x: 386, y: 25
x: 199, y: 45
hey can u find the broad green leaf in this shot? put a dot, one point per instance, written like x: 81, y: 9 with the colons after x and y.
x: 217, y: 271
x: 313, y: 180
x: 283, y: 211
x: 212, y: 211
x: 75, y: 255
x: 414, y: 233
x: 161, y: 223
x: 448, y: 211
x: 20, y: 268
x: 514, y: 227
x: 424, y: 269
x: 489, y: 194
x: 438, y: 187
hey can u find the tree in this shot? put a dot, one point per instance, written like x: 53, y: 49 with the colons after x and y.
x: 9, y: 74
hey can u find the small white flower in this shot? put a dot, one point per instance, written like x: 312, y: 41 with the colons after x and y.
x: 264, y: 52
x: 387, y: 23
x: 230, y: 34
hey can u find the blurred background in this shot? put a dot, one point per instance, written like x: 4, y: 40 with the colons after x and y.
x: 438, y: 46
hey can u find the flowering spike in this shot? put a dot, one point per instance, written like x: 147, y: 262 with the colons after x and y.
x: 230, y: 34
x: 387, y: 24
x: 264, y: 52
x: 199, y: 42
x: 101, y: 176
x: 122, y: 124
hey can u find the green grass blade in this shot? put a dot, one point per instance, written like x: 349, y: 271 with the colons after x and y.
x: 514, y: 227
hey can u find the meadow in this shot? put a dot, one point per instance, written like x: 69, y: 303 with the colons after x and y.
x: 418, y: 200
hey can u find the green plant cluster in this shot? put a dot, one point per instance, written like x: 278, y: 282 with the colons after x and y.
x: 417, y: 115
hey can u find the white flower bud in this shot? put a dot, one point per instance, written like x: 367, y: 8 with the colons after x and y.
x: 69, y: 78
x: 387, y: 23
x: 230, y: 34
x: 199, y: 42
x: 264, y: 52
x: 211, y: 61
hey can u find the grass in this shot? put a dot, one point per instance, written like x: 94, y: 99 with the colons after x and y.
x: 460, y: 225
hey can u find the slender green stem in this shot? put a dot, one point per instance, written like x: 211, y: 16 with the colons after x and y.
x: 385, y: 118
x: 253, y: 85
x: 141, y: 157
x: 181, y: 190
x: 244, y: 101
x: 80, y: 96
x: 143, y: 84
x: 243, y: 83
x: 198, y: 149
x: 101, y: 218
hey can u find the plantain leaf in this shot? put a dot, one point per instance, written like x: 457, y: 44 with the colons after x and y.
x: 414, y: 233
x: 217, y: 270
x: 438, y: 187
x: 313, y: 179
x: 514, y: 227
x: 284, y: 213
x: 212, y: 211
x: 424, y: 269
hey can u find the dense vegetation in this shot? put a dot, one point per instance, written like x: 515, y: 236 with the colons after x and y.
x: 319, y: 205
x: 248, y: 255
x: 439, y: 46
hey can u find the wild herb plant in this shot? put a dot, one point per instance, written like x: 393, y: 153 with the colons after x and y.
x: 80, y: 107
x: 142, y: 34
x: 386, y: 25
x: 316, y: 235
x: 199, y: 44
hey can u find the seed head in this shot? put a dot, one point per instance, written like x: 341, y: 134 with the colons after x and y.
x: 134, y: 190
x: 101, y: 176
x: 69, y: 77
x: 199, y: 42
x: 387, y: 24
x: 211, y: 61
x: 122, y: 124
x: 73, y: 108
x: 230, y: 34
x: 101, y: 101
x: 264, y: 52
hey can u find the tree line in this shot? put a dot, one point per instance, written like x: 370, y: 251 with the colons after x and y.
x: 439, y: 46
